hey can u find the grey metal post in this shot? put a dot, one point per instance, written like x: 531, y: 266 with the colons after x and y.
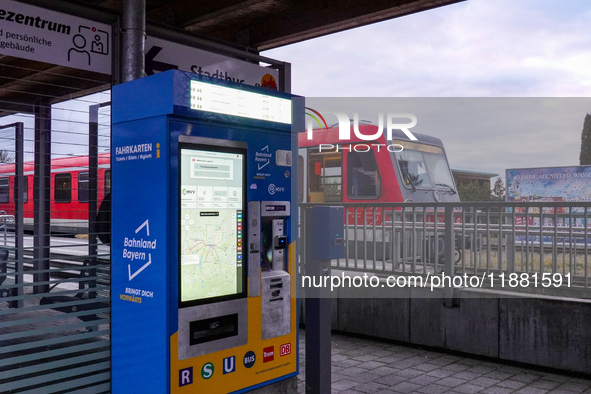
x: 19, y: 216
x: 92, y: 192
x: 510, y: 252
x: 42, y: 196
x: 92, y: 179
x: 133, y: 27
x: 318, y: 318
x: 448, y: 253
x: 449, y: 240
x: 285, y: 78
x: 18, y: 289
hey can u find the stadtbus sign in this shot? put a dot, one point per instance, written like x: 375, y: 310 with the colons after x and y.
x: 35, y: 33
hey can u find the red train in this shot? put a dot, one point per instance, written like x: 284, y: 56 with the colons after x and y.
x: 380, y: 170
x: 69, y: 191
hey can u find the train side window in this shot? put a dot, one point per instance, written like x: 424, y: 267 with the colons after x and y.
x: 107, y: 181
x: 363, y: 177
x: 83, y: 183
x: 325, y: 177
x: 4, y: 190
x: 63, y: 187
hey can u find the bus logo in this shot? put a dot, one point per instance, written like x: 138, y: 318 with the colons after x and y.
x: 249, y: 359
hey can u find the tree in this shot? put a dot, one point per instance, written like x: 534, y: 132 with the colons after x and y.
x: 474, y: 191
x: 5, y: 156
x: 585, y: 156
x: 498, y: 191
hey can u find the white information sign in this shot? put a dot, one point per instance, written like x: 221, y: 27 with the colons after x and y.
x: 224, y: 100
x: 163, y: 55
x: 39, y: 34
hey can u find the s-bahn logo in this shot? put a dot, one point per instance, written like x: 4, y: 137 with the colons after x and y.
x: 345, y: 125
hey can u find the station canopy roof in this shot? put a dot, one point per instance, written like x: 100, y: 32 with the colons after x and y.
x: 254, y: 25
x: 266, y: 24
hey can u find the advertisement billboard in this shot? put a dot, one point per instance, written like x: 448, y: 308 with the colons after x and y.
x: 549, y: 184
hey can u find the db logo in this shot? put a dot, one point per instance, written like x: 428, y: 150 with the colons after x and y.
x: 284, y: 350
x: 268, y: 354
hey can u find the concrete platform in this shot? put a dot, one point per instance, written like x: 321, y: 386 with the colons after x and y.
x: 361, y: 365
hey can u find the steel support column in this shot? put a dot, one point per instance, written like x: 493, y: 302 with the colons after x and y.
x: 18, y: 289
x: 42, y: 197
x: 19, y: 216
x: 133, y: 26
x: 92, y: 180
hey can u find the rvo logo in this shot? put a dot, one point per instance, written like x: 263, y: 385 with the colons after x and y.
x: 345, y: 126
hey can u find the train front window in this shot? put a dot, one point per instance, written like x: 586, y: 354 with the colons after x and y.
x: 363, y: 177
x: 423, y: 166
x: 63, y: 187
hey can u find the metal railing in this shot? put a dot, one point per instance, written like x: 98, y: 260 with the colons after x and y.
x: 535, y: 247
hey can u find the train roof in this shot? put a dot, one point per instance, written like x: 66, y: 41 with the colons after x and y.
x: 72, y: 162
x: 331, y: 136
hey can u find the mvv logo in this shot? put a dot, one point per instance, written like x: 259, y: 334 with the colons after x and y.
x: 345, y: 125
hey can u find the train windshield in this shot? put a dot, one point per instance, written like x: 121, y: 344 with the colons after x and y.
x: 423, y: 166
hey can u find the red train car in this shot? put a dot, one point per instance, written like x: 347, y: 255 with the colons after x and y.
x: 69, y: 191
x: 381, y: 170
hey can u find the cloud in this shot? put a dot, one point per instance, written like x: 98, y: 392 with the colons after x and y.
x: 476, y: 48
x: 485, y: 134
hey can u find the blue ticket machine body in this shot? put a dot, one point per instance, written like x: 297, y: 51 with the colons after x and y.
x: 204, y: 231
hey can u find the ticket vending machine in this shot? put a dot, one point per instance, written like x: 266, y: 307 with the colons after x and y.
x: 204, y: 231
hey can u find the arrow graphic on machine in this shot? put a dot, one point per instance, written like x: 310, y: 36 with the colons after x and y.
x: 265, y: 161
x: 154, y: 65
x: 145, y: 224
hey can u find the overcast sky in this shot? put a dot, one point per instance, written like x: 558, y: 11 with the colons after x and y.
x: 478, y: 48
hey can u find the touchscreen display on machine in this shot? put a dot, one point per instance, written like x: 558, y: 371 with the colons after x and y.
x: 212, y: 208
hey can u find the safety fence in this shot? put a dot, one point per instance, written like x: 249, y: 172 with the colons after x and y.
x: 54, y: 270
x: 537, y: 247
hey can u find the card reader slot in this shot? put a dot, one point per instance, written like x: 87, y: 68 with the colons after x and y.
x: 276, y: 299
x: 276, y: 285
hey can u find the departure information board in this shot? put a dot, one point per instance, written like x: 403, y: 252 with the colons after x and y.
x: 230, y: 101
